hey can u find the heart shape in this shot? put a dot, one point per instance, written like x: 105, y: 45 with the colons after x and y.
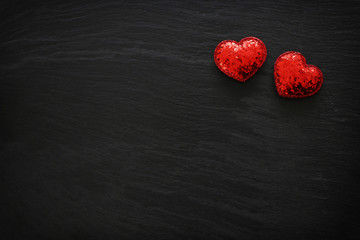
x: 240, y: 60
x: 294, y: 78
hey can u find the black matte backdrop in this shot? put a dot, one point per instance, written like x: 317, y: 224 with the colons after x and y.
x: 116, y: 123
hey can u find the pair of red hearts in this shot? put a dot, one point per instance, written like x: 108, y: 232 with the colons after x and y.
x: 293, y: 77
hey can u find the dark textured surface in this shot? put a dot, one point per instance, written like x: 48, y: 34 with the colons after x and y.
x: 116, y: 123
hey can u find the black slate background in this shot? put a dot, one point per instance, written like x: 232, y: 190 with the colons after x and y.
x: 116, y: 124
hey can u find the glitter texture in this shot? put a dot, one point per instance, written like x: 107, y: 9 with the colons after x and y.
x: 240, y: 60
x: 294, y: 78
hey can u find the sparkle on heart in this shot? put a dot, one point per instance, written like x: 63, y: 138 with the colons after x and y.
x: 240, y: 60
x: 294, y: 78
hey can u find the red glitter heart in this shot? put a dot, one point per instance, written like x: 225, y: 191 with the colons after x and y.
x: 294, y: 78
x: 240, y: 60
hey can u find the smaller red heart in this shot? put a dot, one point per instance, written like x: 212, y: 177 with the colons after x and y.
x: 240, y: 60
x: 294, y: 78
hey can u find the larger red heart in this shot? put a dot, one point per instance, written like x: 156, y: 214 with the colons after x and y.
x: 240, y: 60
x: 294, y: 78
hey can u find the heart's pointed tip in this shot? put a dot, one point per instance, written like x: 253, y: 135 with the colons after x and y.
x: 297, y: 96
x: 241, y: 80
